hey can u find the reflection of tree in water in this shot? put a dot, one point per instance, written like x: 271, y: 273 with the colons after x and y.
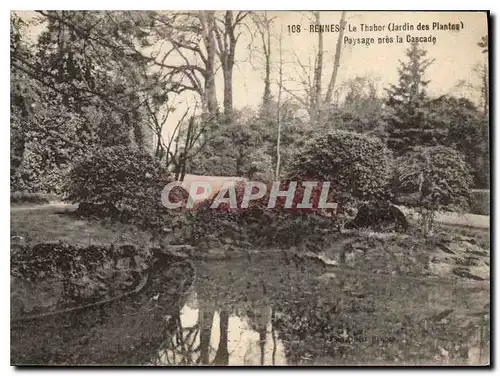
x: 183, y: 341
x: 185, y: 348
x: 258, y: 318
x: 191, y: 345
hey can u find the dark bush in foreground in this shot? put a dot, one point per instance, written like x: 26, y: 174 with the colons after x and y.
x: 127, y: 179
x: 379, y: 216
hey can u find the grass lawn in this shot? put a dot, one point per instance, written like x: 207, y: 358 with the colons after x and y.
x: 51, y: 223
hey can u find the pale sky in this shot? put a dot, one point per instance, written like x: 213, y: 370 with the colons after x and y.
x: 455, y: 52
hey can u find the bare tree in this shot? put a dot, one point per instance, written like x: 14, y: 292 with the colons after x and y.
x: 226, y: 36
x: 336, y: 60
x: 318, y: 73
x: 484, y: 74
x: 263, y: 25
x: 278, y: 111
x: 190, y: 54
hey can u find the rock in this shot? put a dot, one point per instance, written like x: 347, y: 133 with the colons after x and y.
x: 327, y: 260
x: 215, y: 254
x: 442, y: 315
x: 480, y: 271
x: 465, y: 273
x: 476, y: 250
x: 326, y: 277
x: 359, y: 245
x: 380, y: 217
x: 468, y: 239
x: 445, y: 248
x: 440, y: 268
x: 169, y: 254
x: 460, y: 247
x: 320, y: 259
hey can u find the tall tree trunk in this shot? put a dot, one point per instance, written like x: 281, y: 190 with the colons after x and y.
x: 228, y: 93
x: 278, y: 114
x: 318, y: 72
x: 485, y: 89
x: 228, y: 71
x: 226, y: 50
x: 265, y: 34
x: 336, y: 61
x: 273, y: 335
x: 207, y: 20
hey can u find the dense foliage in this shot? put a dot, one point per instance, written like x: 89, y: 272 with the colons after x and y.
x: 236, y: 149
x: 262, y: 226
x: 356, y: 165
x: 440, y: 176
x: 129, y: 180
x: 467, y: 131
x: 408, y: 105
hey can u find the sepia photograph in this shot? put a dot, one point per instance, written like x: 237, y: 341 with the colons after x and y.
x: 250, y: 188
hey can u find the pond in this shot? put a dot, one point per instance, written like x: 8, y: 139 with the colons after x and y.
x: 270, y: 309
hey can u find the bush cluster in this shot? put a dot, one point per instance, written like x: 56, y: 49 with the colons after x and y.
x: 129, y: 180
x: 356, y: 165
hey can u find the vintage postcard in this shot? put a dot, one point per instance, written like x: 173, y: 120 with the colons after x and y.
x: 250, y: 188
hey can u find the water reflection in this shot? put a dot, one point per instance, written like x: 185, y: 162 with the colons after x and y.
x: 269, y: 311
x: 293, y: 317
x: 224, y: 338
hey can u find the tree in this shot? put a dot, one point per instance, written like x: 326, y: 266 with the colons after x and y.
x: 45, y: 134
x: 360, y: 109
x: 227, y: 38
x: 484, y: 74
x: 318, y: 74
x: 263, y: 24
x: 439, y: 175
x: 237, y: 149
x: 336, y: 61
x: 467, y: 132
x: 407, y: 105
x: 196, y: 40
x: 21, y: 94
x: 310, y: 77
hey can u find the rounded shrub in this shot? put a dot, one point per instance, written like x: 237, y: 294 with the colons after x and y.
x: 129, y: 180
x: 438, y: 174
x: 357, y: 165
